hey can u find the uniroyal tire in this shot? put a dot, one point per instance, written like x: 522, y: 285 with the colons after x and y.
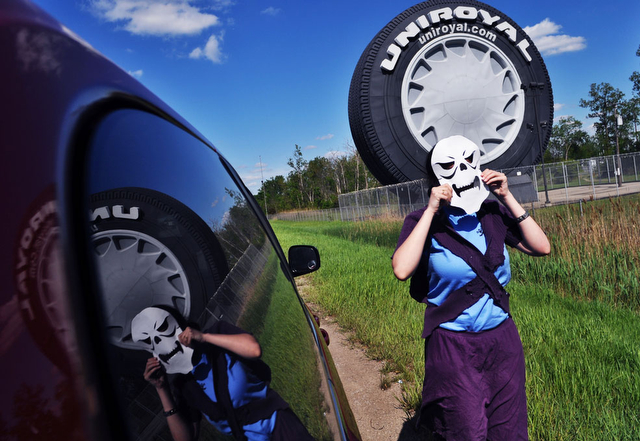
x: 459, y: 71
x: 39, y: 275
x: 152, y: 250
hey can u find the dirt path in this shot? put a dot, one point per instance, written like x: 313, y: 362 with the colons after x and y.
x: 377, y: 411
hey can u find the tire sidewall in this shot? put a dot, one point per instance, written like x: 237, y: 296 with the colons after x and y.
x: 175, y: 226
x: 378, y: 125
x: 40, y: 282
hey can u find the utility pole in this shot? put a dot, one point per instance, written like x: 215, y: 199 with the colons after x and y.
x: 618, y: 122
x: 534, y: 87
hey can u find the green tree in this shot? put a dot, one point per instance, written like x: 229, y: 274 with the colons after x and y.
x: 320, y: 179
x: 566, y: 140
x: 316, y: 183
x: 635, y: 78
x: 274, y: 191
x: 299, y: 166
x: 604, y: 99
x: 628, y: 132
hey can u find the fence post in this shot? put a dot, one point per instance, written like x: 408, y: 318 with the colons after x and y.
x: 593, y: 185
x: 578, y: 172
x: 566, y: 189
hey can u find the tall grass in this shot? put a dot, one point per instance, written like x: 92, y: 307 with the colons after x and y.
x: 577, y: 311
x: 595, y: 251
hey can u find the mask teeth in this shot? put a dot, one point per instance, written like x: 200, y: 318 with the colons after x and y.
x: 476, y: 182
x: 166, y: 357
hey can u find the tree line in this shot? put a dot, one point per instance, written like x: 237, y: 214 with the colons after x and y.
x: 317, y: 183
x: 616, y: 125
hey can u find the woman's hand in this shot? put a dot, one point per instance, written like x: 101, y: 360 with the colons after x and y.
x: 440, y: 196
x: 189, y: 336
x: 534, y: 241
x: 154, y: 373
x: 407, y: 257
x: 497, y: 182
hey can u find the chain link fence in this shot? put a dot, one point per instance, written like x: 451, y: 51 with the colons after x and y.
x: 547, y: 184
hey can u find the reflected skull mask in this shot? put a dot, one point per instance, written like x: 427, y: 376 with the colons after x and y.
x: 157, y: 331
x: 456, y: 161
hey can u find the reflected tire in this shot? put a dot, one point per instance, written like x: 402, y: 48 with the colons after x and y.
x: 453, y: 83
x: 151, y: 250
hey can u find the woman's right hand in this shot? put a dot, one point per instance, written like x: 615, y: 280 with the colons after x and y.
x: 440, y: 196
x: 407, y: 257
x: 154, y: 373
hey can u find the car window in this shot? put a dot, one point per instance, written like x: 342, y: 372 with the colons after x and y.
x: 172, y: 231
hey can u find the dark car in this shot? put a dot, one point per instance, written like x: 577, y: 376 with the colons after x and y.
x: 111, y: 204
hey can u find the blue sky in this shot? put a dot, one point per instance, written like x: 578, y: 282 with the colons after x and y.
x: 258, y: 77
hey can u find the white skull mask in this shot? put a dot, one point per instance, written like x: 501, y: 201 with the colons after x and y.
x: 157, y: 331
x: 456, y: 161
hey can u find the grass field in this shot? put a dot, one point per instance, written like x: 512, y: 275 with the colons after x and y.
x: 577, y: 311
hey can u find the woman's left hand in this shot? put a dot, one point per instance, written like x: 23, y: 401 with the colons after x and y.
x: 189, y: 336
x: 496, y: 181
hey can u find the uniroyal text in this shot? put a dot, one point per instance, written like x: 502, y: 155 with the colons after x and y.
x: 427, y: 27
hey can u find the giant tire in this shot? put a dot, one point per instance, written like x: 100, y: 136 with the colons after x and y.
x: 152, y: 250
x: 456, y: 83
x: 39, y: 275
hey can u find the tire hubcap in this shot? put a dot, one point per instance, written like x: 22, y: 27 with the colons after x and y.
x: 463, y: 85
x: 137, y: 271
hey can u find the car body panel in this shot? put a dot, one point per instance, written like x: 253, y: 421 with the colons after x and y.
x: 58, y: 375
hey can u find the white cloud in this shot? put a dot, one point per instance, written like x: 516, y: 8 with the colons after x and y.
x: 544, y: 36
x: 210, y: 51
x: 155, y: 17
x: 220, y: 5
x: 557, y: 106
x: 271, y: 11
x: 136, y: 73
x: 325, y: 137
x: 311, y: 147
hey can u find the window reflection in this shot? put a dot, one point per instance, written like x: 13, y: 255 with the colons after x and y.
x: 171, y: 229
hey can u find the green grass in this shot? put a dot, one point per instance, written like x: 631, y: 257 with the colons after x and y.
x: 287, y: 346
x: 595, y: 251
x: 582, y: 362
x: 581, y: 337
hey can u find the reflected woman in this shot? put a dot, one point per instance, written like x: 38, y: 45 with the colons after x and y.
x: 217, y: 374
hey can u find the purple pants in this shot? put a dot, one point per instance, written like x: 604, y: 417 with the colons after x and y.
x: 474, y: 385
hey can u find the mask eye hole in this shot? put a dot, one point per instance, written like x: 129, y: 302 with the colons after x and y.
x: 469, y: 158
x: 163, y: 327
x: 447, y: 165
x: 147, y: 340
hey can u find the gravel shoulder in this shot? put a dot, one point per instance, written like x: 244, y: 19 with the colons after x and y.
x: 377, y: 411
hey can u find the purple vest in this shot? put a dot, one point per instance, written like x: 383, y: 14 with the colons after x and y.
x: 499, y: 227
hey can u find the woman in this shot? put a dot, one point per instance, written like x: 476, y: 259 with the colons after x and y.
x: 454, y: 251
x: 217, y: 374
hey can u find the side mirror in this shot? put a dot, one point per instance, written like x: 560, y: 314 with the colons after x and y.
x: 303, y: 259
